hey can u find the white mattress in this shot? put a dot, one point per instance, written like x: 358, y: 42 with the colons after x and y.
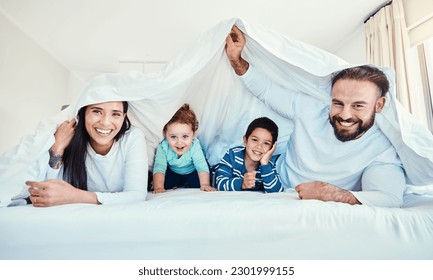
x: 190, y: 224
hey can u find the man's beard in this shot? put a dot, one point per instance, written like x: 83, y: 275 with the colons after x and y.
x: 343, y: 135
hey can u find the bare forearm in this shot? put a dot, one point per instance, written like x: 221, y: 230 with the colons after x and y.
x: 74, y: 195
x: 204, y: 178
x: 63, y: 137
x: 56, y: 159
x: 158, y: 181
x: 340, y: 195
x: 240, y: 66
x: 58, y: 192
x: 325, y: 192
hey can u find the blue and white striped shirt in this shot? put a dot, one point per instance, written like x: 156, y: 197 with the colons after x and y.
x: 230, y: 173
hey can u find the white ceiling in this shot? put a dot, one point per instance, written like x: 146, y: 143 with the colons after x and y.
x: 94, y: 35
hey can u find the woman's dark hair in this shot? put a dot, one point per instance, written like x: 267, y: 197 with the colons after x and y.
x: 265, y: 123
x: 74, y: 157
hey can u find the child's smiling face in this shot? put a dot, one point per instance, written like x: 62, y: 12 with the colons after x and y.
x: 179, y: 137
x: 257, y: 144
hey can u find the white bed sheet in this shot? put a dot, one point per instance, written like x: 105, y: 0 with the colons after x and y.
x: 190, y: 224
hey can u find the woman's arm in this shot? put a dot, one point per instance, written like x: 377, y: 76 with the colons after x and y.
x: 133, y: 179
x: 58, y: 192
x: 63, y: 137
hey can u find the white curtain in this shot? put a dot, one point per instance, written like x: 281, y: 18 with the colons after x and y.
x: 387, y: 44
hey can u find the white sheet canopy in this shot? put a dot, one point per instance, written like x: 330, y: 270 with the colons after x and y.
x: 202, y: 76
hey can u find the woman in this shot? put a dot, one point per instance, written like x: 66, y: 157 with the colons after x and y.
x: 99, y: 160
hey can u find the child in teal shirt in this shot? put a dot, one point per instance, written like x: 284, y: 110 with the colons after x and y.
x: 179, y: 159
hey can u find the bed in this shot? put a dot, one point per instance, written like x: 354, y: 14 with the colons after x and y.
x: 190, y: 224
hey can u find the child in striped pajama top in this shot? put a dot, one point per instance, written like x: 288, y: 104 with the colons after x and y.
x: 251, y: 167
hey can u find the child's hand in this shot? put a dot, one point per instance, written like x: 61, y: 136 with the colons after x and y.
x: 158, y: 190
x: 207, y: 188
x: 249, y: 180
x: 267, y: 156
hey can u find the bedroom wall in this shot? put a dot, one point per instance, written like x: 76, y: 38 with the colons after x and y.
x: 33, y: 84
x: 353, y: 48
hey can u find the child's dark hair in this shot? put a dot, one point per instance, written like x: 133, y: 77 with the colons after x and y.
x: 185, y: 115
x: 265, y: 123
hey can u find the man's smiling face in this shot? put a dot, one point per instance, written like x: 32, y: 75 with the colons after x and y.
x: 353, y: 108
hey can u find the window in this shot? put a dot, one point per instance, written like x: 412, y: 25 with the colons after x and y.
x: 428, y: 49
x: 425, y: 61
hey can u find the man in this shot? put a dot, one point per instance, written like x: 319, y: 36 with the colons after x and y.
x: 335, y: 152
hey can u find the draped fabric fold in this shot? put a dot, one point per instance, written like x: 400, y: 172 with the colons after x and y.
x: 202, y: 76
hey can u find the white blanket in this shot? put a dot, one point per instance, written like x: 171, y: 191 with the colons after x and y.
x: 202, y: 76
x: 195, y: 225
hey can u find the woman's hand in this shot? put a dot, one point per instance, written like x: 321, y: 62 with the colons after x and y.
x: 58, y: 192
x: 63, y: 136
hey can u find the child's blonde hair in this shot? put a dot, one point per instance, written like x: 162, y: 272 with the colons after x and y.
x: 185, y: 115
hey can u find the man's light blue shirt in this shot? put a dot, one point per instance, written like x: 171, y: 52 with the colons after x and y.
x: 368, y: 166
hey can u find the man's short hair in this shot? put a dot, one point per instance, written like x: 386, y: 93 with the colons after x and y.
x: 364, y: 73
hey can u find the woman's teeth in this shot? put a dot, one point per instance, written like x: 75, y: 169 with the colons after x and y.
x: 103, y: 131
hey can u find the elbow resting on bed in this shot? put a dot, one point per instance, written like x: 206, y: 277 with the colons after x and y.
x: 379, y: 199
